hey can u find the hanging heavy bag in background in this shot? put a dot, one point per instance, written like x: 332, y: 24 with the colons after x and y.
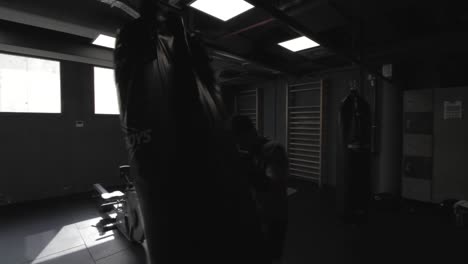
x: 196, y: 203
x: 354, y: 187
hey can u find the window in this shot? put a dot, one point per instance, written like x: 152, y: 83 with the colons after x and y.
x: 105, y: 92
x: 29, y: 85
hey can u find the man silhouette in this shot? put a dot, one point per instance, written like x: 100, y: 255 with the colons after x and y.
x: 268, y: 175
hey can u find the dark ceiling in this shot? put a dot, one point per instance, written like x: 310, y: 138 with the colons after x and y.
x: 370, y: 32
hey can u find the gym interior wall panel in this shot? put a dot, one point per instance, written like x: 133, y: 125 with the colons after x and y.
x: 418, y: 122
x: 450, y: 147
x: 272, y: 109
x: 418, y: 101
x: 417, y: 167
x: 280, y: 121
x: 389, y: 140
x: 417, y: 145
x: 269, y: 111
x: 32, y: 156
x: 417, y: 189
x: 98, y: 147
x: 273, y: 98
x: 46, y: 155
x: 247, y: 104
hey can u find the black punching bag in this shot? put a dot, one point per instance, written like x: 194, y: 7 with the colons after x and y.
x: 196, y: 203
x: 354, y: 184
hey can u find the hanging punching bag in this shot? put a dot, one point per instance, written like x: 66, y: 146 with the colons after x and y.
x: 196, y: 203
x: 354, y: 188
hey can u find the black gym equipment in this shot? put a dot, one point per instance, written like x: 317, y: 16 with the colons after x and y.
x: 354, y: 183
x: 195, y: 199
x: 121, y: 210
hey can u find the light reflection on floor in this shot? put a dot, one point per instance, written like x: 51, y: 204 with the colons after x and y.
x: 62, y: 234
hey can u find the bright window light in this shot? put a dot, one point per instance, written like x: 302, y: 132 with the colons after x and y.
x: 105, y: 41
x: 299, y: 44
x: 105, y: 92
x: 29, y: 85
x: 222, y: 9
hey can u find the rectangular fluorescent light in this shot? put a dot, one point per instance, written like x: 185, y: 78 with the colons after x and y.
x: 299, y: 44
x: 222, y: 9
x: 105, y: 41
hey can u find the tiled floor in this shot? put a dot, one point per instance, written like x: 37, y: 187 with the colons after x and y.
x: 55, y: 232
x: 61, y: 232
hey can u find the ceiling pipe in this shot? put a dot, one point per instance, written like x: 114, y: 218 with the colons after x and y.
x: 122, y: 6
x: 284, y: 8
x: 125, y: 6
x: 304, y: 31
x: 256, y: 25
x: 229, y: 55
x: 216, y: 50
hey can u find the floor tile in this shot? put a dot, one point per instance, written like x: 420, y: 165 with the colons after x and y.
x: 88, y: 223
x: 86, y: 214
x: 65, y: 238
x: 21, y: 243
x: 134, y: 255
x: 78, y: 255
x: 101, y: 246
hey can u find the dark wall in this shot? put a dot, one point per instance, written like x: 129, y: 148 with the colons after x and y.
x: 45, y: 155
x: 434, y: 72
x: 450, y: 170
x: 414, y: 73
x: 387, y: 157
x: 439, y: 73
x: 272, y: 106
x: 274, y: 109
x: 274, y: 112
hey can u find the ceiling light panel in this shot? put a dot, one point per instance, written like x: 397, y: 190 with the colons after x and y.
x: 298, y: 44
x: 105, y: 41
x: 222, y: 9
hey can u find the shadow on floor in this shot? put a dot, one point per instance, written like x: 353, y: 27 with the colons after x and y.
x: 60, y: 231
